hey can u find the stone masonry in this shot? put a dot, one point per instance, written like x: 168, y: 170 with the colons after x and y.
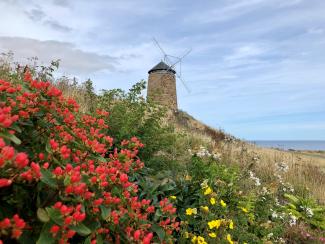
x: 162, y: 86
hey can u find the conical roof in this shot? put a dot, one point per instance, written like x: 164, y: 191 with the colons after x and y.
x: 162, y: 66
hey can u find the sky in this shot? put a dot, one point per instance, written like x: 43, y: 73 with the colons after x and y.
x: 256, y: 69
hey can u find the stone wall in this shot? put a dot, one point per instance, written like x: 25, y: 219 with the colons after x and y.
x: 162, y: 88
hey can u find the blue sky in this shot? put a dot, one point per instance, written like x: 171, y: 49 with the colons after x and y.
x: 257, y: 68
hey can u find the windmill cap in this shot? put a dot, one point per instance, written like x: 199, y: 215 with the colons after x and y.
x: 162, y: 66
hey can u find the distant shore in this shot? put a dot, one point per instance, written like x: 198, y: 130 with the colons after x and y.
x: 299, y: 145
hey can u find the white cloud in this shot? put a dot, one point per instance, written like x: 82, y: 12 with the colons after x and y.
x: 73, y: 59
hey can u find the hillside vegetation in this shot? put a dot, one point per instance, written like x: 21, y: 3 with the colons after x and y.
x: 81, y: 167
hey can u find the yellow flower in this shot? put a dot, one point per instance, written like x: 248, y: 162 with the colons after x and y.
x: 191, y: 211
x: 201, y: 240
x: 229, y: 239
x: 186, y: 235
x: 172, y: 197
x: 188, y: 177
x: 212, y: 235
x: 194, y: 239
x: 223, y: 204
x: 205, y: 208
x: 244, y: 210
x: 231, y: 225
x: 212, y: 201
x: 204, y: 184
x: 208, y: 191
x: 214, y: 224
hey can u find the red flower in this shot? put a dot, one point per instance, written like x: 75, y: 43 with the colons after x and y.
x: 8, y: 152
x: 55, y: 229
x: 5, y: 182
x: 124, y: 178
x: 136, y: 235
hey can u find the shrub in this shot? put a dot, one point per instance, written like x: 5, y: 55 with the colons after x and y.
x: 61, y: 177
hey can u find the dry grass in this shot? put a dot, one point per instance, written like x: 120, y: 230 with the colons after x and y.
x: 306, y: 168
x: 306, y: 172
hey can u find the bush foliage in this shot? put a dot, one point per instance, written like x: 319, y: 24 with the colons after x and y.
x: 113, y: 170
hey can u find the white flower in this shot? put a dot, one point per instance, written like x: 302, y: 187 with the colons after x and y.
x: 254, y: 178
x: 269, y: 235
x: 282, y: 167
x: 216, y: 156
x: 204, y: 184
x: 309, y: 212
x: 292, y: 220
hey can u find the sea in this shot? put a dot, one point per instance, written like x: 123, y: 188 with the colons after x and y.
x: 292, y: 145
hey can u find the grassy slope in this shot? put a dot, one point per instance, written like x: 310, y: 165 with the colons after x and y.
x: 306, y: 168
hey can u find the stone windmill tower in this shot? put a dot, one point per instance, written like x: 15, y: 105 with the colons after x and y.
x: 162, y: 80
x: 162, y: 85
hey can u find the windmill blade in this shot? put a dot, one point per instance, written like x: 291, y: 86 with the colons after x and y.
x: 157, y: 43
x: 187, y: 53
x: 184, y: 84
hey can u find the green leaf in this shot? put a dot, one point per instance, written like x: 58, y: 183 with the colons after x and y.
x: 55, y: 215
x: 11, y: 137
x: 42, y: 215
x: 99, y: 239
x: 88, y: 240
x: 66, y: 180
x: 16, y: 128
x: 47, y: 178
x: 45, y: 236
x: 81, y: 229
x: 105, y: 212
x: 159, y: 230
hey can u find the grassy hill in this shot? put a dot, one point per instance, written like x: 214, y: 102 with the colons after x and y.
x: 76, y: 164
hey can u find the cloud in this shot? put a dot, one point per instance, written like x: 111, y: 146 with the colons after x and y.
x: 73, y: 59
x: 246, y: 51
x: 62, y: 3
x: 57, y: 26
x: 235, y: 9
x: 315, y: 30
x: 38, y: 15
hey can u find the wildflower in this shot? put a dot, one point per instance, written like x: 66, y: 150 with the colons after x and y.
x: 244, y: 210
x: 5, y: 182
x: 136, y: 235
x: 21, y: 160
x: 204, y: 184
x: 212, y: 235
x: 54, y: 229
x: 254, y: 178
x: 186, y: 235
x: 124, y: 178
x: 201, y: 240
x: 222, y: 203
x: 194, y: 239
x: 231, y: 225
x: 188, y: 177
x: 212, y: 201
x: 173, y: 197
x: 214, y: 224
x: 208, y: 191
x: 205, y: 209
x: 282, y: 167
x: 147, y: 238
x: 309, y: 212
x: 292, y: 220
x: 269, y: 235
x: 191, y: 211
x: 229, y: 239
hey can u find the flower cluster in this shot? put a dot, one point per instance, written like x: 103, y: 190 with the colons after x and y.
x: 80, y: 177
x: 13, y: 226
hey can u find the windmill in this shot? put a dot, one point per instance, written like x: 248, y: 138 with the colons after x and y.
x: 172, y: 65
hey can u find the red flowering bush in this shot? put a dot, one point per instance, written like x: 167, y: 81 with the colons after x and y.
x: 63, y: 179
